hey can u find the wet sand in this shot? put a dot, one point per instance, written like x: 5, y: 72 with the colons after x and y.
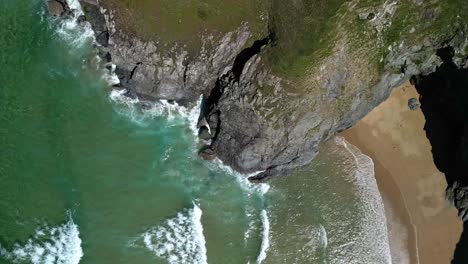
x: 423, y: 227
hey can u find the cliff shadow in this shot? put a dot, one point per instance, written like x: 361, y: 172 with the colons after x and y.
x: 444, y: 102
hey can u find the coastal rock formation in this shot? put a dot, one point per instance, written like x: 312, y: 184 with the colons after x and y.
x: 274, y: 89
x: 58, y: 7
x: 278, y: 78
x: 151, y: 70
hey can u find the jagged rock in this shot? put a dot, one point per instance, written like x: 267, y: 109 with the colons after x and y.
x: 414, y: 104
x: 266, y: 118
x: 207, y: 154
x: 271, y: 101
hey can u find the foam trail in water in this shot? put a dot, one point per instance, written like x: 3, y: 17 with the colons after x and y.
x: 251, y: 189
x: 180, y: 239
x: 265, y: 237
x: 49, y: 245
x: 374, y: 224
x: 243, y: 180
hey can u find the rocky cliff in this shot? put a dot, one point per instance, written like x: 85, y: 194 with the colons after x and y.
x: 282, y: 78
x: 278, y: 78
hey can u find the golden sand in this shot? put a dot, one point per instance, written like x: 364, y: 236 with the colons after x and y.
x: 420, y: 220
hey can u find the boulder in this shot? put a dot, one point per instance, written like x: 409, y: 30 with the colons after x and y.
x: 414, y: 104
x: 207, y: 154
x: 57, y: 7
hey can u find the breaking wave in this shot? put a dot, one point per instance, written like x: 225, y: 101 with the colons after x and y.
x: 259, y: 190
x: 374, y: 223
x: 265, y: 237
x: 180, y: 239
x: 242, y: 180
x: 140, y: 111
x: 75, y: 33
x: 49, y: 245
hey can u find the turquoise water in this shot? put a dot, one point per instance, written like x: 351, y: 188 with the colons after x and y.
x: 88, y: 176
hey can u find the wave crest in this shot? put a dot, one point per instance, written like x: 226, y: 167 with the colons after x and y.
x: 180, y: 239
x: 49, y: 245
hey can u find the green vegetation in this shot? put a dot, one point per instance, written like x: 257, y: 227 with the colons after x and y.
x: 184, y: 21
x: 303, y: 31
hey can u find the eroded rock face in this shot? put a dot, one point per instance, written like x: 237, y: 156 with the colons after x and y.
x: 148, y: 72
x: 266, y: 117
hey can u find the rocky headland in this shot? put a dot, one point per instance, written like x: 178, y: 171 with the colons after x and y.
x: 278, y: 78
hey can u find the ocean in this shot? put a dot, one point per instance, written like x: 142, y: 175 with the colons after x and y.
x: 88, y: 175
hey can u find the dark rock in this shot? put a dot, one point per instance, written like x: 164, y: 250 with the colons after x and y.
x: 414, y: 104
x: 204, y: 133
x: 259, y: 120
x: 58, y: 7
x: 204, y: 130
x: 97, y: 20
x: 81, y: 20
x: 207, y: 154
x: 370, y: 16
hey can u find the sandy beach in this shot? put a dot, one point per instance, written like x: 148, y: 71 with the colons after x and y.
x: 423, y: 227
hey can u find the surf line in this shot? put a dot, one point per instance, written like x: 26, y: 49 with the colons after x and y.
x: 49, y: 245
x: 367, y: 179
x: 180, y: 239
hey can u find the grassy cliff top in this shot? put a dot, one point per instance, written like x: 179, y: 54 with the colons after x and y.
x: 185, y: 21
x: 304, y: 31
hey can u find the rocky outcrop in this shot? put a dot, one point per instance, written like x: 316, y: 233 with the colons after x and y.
x: 58, y: 7
x: 281, y: 131
x: 149, y: 72
x: 266, y: 118
x: 270, y: 100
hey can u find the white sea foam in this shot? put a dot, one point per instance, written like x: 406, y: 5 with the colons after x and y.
x: 75, y: 7
x: 374, y: 224
x: 73, y: 32
x: 251, y: 189
x: 265, y: 237
x: 243, y: 180
x: 161, y: 108
x: 110, y: 76
x: 80, y: 35
x: 180, y: 239
x: 49, y: 245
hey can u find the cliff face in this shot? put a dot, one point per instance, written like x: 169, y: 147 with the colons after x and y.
x: 278, y: 77
x: 154, y: 66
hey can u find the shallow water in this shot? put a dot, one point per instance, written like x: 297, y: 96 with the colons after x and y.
x: 88, y: 176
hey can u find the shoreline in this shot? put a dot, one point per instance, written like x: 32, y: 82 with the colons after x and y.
x: 396, y: 210
x: 419, y: 218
